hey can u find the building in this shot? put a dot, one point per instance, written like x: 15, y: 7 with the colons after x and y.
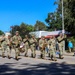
x: 7, y: 33
x: 47, y: 34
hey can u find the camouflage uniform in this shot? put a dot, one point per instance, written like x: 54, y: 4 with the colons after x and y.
x: 33, y: 42
x: 60, y: 44
x: 0, y: 42
x: 26, y: 44
x: 16, y: 41
x: 42, y: 45
x: 9, y: 45
x: 52, y: 48
x: 3, y: 44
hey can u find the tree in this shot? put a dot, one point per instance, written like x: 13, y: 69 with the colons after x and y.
x: 1, y: 32
x: 23, y: 29
x: 54, y: 19
x: 39, y: 26
x: 69, y: 13
x: 14, y: 29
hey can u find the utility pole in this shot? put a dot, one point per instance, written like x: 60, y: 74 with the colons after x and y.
x: 63, y: 30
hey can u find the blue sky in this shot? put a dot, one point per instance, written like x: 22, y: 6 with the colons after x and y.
x: 14, y: 12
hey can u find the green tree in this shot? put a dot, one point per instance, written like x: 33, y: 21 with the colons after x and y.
x: 23, y: 29
x: 54, y: 21
x: 69, y: 13
x: 14, y: 29
x: 39, y: 26
x: 1, y: 32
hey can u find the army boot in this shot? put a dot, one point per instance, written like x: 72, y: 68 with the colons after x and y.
x: 41, y: 56
x: 32, y: 55
x: 49, y: 54
x: 3, y: 55
x: 51, y: 57
x: 16, y: 58
x: 26, y: 55
x: 9, y: 57
x: 60, y: 56
x: 55, y: 59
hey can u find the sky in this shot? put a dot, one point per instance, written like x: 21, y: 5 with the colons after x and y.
x: 14, y: 12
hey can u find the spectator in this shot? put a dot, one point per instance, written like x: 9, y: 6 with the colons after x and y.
x: 70, y: 46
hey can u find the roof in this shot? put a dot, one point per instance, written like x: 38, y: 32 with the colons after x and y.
x: 38, y: 34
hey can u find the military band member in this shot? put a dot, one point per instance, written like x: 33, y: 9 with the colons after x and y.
x: 60, y: 44
x: 0, y: 41
x: 9, y: 45
x: 52, y: 48
x: 33, y: 42
x: 26, y: 44
x: 42, y: 45
x: 16, y: 41
x: 3, y: 45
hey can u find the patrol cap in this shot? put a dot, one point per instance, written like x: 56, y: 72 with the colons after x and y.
x: 32, y: 35
x: 9, y: 34
x: 42, y: 36
x: 17, y: 31
x: 26, y: 35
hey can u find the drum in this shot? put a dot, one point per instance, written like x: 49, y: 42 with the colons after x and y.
x: 22, y: 50
x: 22, y: 45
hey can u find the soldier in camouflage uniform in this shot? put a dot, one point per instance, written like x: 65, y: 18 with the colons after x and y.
x: 0, y: 42
x: 60, y: 44
x: 3, y: 45
x: 9, y: 45
x: 16, y: 41
x: 52, y: 48
x: 33, y: 42
x: 42, y: 46
x: 26, y: 44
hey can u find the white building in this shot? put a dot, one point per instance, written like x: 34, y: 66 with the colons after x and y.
x: 38, y: 34
x: 7, y: 33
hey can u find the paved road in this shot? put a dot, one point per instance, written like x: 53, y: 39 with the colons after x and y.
x: 31, y: 66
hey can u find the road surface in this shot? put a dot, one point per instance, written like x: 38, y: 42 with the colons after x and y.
x: 35, y: 66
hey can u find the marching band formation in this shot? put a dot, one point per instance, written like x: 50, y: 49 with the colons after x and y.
x: 23, y: 45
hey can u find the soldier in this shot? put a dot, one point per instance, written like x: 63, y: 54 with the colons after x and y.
x: 16, y: 41
x: 3, y: 45
x: 42, y: 46
x: 26, y: 44
x: 60, y: 44
x: 33, y: 42
x: 0, y: 43
x: 9, y: 45
x: 52, y: 48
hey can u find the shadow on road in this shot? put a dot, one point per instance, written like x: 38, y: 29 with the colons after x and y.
x: 39, y: 69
